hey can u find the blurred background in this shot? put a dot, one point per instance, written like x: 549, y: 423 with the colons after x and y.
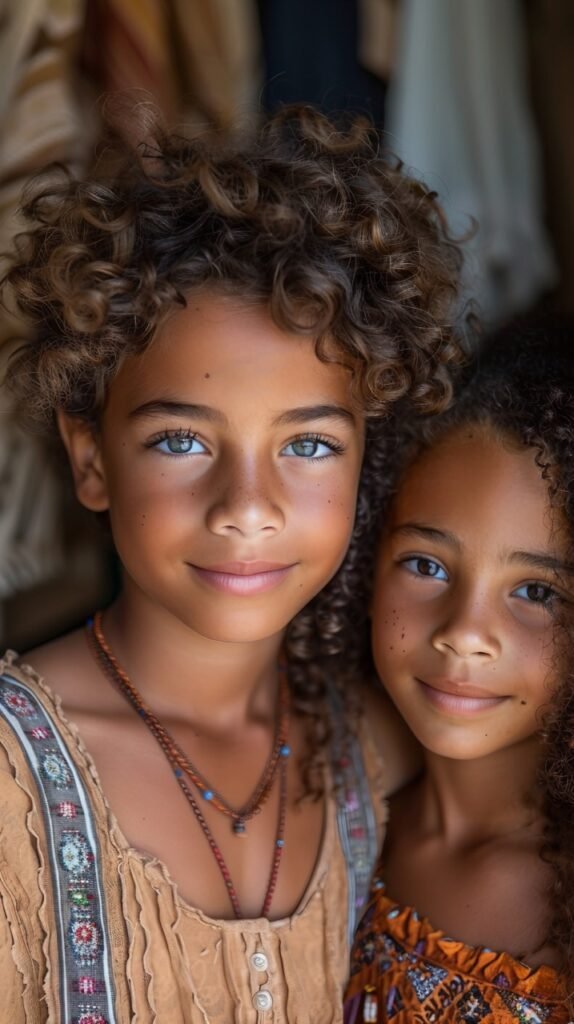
x: 475, y: 96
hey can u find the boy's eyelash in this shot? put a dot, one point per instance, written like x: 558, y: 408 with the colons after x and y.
x: 185, y: 433
x: 180, y: 432
x: 330, y: 442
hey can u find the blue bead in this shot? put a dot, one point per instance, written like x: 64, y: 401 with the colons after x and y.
x: 285, y: 750
x: 207, y: 795
x: 89, y: 621
x: 280, y: 842
x: 178, y: 773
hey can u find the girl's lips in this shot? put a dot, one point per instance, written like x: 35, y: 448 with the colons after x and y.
x: 457, y: 703
x: 248, y: 578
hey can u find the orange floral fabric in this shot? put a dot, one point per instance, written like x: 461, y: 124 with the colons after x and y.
x: 404, y: 970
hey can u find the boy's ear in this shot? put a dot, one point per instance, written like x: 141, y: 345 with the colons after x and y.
x: 84, y: 453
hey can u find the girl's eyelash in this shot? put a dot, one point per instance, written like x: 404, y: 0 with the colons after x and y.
x: 180, y: 432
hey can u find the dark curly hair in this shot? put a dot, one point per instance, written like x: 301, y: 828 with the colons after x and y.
x: 522, y: 386
x: 315, y: 222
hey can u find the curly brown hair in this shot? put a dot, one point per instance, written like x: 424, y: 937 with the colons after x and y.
x: 315, y: 222
x: 522, y: 385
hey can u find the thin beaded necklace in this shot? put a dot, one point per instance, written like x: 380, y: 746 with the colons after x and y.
x: 182, y: 766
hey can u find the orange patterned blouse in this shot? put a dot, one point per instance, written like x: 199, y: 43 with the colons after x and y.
x: 405, y: 971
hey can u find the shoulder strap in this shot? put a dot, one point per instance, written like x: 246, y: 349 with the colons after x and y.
x: 355, y: 815
x: 86, y: 986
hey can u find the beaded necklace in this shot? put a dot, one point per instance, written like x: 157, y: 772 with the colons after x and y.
x: 182, y: 766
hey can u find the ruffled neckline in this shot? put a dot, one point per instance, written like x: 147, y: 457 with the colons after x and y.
x: 10, y: 662
x: 488, y: 966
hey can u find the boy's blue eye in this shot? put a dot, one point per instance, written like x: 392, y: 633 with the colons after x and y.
x: 425, y: 567
x: 179, y: 444
x: 311, y: 448
x: 536, y: 593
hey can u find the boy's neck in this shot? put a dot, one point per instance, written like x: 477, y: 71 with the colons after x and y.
x: 475, y: 800
x: 178, y: 673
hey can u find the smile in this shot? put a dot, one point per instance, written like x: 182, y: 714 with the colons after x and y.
x: 243, y: 578
x: 458, y: 703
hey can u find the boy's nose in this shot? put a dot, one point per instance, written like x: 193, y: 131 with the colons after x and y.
x: 248, y: 503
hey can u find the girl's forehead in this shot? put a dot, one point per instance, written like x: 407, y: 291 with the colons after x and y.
x: 479, y: 487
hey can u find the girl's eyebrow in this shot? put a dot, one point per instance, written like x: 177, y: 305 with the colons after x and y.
x: 540, y: 560
x: 533, y: 559
x: 161, y: 407
x: 429, y: 533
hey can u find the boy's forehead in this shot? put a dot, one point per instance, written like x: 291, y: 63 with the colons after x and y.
x: 223, y: 347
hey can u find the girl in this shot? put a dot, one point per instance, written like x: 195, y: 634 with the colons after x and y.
x: 471, y: 605
x: 213, y: 326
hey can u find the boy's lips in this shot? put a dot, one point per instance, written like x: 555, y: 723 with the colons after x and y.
x: 459, y: 698
x: 243, y: 577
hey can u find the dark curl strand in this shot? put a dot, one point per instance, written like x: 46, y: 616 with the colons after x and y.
x: 317, y: 223
x: 523, y: 389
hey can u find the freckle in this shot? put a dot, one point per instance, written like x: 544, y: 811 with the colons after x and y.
x: 207, y: 376
x: 391, y: 648
x: 523, y: 702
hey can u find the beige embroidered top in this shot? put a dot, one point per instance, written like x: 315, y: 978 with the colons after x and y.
x: 170, y: 963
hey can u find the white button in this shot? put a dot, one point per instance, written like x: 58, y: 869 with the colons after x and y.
x: 259, y: 961
x: 263, y: 1000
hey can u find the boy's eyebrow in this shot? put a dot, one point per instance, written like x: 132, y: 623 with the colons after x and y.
x: 315, y: 412
x: 429, y: 533
x: 162, y: 406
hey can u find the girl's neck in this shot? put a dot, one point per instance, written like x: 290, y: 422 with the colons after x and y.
x: 218, y: 686
x: 473, y: 801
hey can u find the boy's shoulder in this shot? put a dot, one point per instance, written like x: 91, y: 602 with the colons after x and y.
x: 65, y: 667
x: 394, y: 743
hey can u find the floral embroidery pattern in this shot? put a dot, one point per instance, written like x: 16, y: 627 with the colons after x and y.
x: 74, y: 852
x: 73, y: 859
x: 17, y: 703
x: 355, y: 819
x: 56, y: 770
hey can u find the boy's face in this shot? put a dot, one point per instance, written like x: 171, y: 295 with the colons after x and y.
x: 228, y: 458
x: 467, y: 583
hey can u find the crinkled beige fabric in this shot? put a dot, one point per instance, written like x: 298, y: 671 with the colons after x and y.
x: 172, y: 964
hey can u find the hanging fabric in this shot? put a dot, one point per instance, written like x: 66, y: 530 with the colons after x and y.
x: 458, y: 115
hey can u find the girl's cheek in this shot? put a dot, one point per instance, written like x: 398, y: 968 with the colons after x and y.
x: 391, y: 632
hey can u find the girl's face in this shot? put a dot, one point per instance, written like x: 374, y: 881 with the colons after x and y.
x: 229, y: 458
x: 468, y: 577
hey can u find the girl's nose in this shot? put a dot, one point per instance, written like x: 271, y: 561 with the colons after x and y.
x: 248, y: 502
x: 468, y: 629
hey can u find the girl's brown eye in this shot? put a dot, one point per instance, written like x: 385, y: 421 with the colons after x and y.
x: 425, y: 567
x: 536, y: 593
